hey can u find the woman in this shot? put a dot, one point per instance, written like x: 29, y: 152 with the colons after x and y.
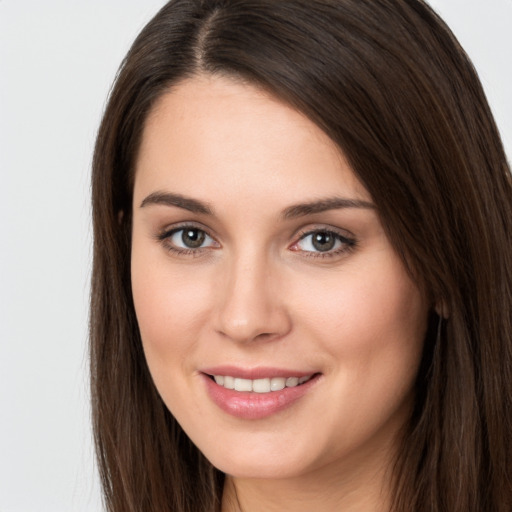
x: 302, y: 284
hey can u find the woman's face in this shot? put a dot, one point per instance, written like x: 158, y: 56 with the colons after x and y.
x: 259, y: 259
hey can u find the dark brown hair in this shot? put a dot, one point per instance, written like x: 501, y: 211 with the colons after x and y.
x: 388, y: 82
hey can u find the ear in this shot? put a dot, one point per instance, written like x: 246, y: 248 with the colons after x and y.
x: 442, y: 309
x: 120, y: 216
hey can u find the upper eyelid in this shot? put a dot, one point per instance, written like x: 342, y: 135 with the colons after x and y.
x: 169, y: 229
x: 306, y: 230
x: 342, y: 238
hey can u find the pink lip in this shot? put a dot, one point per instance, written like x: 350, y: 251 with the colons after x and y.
x: 255, y: 373
x: 255, y: 406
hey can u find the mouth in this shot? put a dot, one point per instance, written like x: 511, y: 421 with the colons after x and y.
x: 267, y: 393
x: 264, y: 385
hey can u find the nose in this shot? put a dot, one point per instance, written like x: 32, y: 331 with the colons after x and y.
x: 250, y: 304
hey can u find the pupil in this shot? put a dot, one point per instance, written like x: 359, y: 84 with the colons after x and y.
x: 323, y: 241
x: 193, y: 238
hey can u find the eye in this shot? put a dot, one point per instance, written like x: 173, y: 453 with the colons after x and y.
x: 187, y: 239
x: 323, y: 242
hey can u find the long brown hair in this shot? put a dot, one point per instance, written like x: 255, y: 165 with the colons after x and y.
x: 388, y: 82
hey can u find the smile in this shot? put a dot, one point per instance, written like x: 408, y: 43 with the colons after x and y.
x: 258, y: 397
x: 266, y: 385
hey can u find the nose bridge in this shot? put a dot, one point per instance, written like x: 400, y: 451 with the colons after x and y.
x: 250, y: 306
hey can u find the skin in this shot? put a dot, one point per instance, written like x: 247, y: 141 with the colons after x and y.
x: 258, y: 293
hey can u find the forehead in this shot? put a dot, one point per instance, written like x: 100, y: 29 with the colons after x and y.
x: 208, y: 133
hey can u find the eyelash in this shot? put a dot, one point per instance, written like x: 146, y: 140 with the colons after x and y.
x: 165, y: 239
x: 347, y: 244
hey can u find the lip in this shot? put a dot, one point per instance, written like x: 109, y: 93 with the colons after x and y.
x: 250, y: 405
x: 261, y: 372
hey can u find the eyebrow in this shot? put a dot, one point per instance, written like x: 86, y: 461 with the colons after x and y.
x: 294, y: 211
x: 169, y: 199
x: 322, y: 205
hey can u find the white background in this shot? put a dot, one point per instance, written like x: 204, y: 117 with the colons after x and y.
x: 57, y: 61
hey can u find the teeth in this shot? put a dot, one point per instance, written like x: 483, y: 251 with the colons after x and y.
x: 243, y: 385
x: 229, y: 382
x: 277, y: 383
x: 291, y: 382
x: 259, y: 385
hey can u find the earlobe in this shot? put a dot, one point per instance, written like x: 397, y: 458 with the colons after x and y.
x: 442, y: 309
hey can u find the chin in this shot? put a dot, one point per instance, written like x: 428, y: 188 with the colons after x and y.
x: 268, y: 469
x: 261, y: 460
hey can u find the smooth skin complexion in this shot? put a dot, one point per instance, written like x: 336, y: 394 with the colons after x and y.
x: 258, y: 255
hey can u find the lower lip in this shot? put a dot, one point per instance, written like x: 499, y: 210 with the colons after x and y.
x: 255, y: 406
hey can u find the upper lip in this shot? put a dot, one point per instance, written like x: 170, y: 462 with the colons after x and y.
x: 260, y: 372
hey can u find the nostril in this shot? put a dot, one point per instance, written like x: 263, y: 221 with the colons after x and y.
x: 264, y: 336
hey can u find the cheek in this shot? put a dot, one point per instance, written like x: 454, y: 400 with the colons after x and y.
x: 372, y: 325
x: 368, y: 306
x: 169, y: 305
x: 372, y: 322
x: 170, y: 308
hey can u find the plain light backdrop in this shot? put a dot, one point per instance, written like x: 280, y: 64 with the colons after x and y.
x: 57, y: 61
